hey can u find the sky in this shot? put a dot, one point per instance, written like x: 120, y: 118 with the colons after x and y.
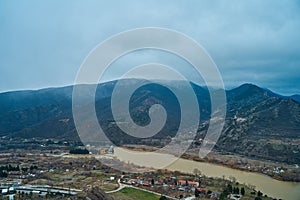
x: 43, y: 43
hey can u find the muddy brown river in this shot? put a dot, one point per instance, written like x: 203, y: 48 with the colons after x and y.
x: 271, y: 187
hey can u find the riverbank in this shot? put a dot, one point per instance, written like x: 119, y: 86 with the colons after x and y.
x: 269, y: 186
x: 278, y: 171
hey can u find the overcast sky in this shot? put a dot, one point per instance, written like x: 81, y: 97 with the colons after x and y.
x: 43, y: 43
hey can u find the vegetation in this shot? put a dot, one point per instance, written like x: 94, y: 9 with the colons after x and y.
x: 259, y: 124
x: 79, y: 151
x: 134, y: 194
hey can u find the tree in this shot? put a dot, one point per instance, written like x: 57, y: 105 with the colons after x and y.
x: 259, y: 193
x: 236, y: 190
x: 24, y: 169
x: 243, y: 191
x: 152, y: 181
x: 79, y: 151
x: 196, y: 192
x: 33, y: 167
x: 3, y: 174
x: 224, y: 194
x: 163, y: 198
x: 252, y: 187
x: 197, y: 172
x: 229, y: 187
x: 232, y: 179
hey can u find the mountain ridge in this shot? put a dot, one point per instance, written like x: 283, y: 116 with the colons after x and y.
x: 255, y: 117
x: 295, y: 95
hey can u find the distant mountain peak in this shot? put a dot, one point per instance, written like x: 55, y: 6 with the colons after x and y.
x: 249, y: 86
x: 250, y: 91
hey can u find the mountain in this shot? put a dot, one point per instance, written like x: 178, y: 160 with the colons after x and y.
x: 259, y: 123
x: 296, y: 97
x: 42, y: 113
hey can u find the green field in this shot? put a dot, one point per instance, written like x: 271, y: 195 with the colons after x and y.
x: 134, y: 194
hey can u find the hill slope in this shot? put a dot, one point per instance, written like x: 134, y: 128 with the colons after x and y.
x: 259, y: 123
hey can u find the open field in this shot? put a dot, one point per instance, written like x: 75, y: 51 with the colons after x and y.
x: 134, y: 194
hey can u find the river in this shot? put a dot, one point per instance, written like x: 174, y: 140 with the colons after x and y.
x: 271, y: 187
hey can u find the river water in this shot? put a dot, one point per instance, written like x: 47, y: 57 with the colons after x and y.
x: 271, y: 187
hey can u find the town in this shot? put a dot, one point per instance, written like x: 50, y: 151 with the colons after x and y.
x: 54, y: 170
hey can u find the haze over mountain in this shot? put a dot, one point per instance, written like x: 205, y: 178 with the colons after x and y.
x: 259, y: 123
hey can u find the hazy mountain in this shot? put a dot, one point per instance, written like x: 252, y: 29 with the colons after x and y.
x: 259, y: 123
x: 296, y: 97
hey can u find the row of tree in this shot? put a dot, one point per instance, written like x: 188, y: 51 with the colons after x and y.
x: 9, y: 168
x: 79, y: 151
x: 5, y: 169
x: 235, y: 190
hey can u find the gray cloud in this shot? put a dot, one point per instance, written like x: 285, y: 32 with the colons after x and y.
x: 44, y: 43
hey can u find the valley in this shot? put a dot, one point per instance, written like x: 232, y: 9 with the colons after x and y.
x: 258, y: 147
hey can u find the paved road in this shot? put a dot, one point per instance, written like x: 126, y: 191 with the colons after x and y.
x: 121, y: 186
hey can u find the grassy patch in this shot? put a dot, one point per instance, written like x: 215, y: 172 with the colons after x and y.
x: 108, y: 187
x: 134, y: 194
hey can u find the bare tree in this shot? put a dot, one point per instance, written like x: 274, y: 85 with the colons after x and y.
x: 197, y: 172
x: 232, y: 179
x: 252, y: 187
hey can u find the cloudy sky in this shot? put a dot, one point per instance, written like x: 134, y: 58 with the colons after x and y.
x: 43, y: 43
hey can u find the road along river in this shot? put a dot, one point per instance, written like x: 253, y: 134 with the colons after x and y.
x: 269, y: 186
